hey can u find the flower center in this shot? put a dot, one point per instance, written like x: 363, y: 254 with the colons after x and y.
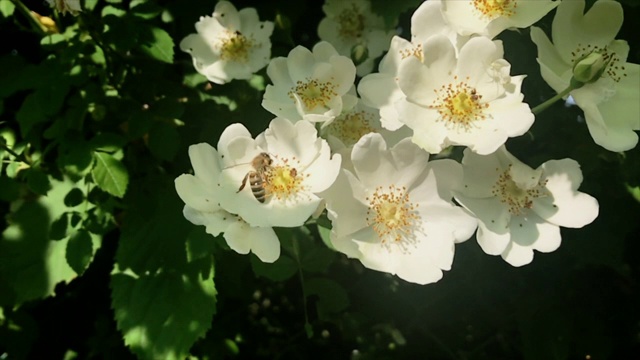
x: 283, y: 181
x: 516, y: 198
x: 492, y: 9
x: 393, y: 217
x: 235, y: 47
x: 615, y: 70
x: 350, y: 127
x: 313, y: 93
x: 416, y: 51
x: 459, y: 105
x: 351, y: 23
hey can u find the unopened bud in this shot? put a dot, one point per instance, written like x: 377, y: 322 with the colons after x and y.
x: 359, y: 54
x: 590, y: 68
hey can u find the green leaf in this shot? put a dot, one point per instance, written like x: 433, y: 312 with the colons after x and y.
x: 75, y: 158
x: 30, y: 262
x: 110, y: 174
x: 6, y: 8
x: 154, y: 231
x: 317, y: 259
x: 325, y: 235
x: 282, y: 269
x: 30, y: 114
x: 145, y: 9
x: 108, y: 142
x: 9, y: 189
x: 38, y: 181
x: 163, y: 141
x: 79, y: 251
x: 158, y: 44
x: 332, y: 298
x: 199, y: 244
x: 162, y: 315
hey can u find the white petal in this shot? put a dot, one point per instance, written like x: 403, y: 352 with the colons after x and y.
x: 196, y: 194
x: 491, y: 242
x: 206, y: 163
x: 566, y: 206
x: 263, y: 242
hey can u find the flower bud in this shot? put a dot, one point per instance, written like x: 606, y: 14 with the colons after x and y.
x: 590, y: 68
x: 359, y: 54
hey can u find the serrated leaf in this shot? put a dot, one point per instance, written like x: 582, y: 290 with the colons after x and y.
x: 153, y: 228
x: 280, y: 270
x: 158, y: 44
x: 79, y: 251
x: 30, y: 262
x: 162, y: 315
x: 110, y: 174
x: 332, y: 298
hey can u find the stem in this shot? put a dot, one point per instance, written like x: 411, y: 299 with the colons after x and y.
x: 34, y: 22
x: 19, y: 157
x: 540, y: 108
x: 296, y: 253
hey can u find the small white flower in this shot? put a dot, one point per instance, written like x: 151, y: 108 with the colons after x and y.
x: 201, y: 193
x: 309, y: 85
x: 394, y: 212
x: 351, y: 22
x: 469, y: 99
x: 229, y: 45
x: 301, y: 166
x: 347, y: 129
x: 610, y: 104
x: 520, y: 209
x: 381, y: 90
x: 491, y: 17
x: 63, y: 6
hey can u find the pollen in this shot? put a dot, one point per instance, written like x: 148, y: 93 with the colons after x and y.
x: 615, y: 70
x: 517, y: 199
x: 284, y: 181
x: 233, y: 46
x: 349, y: 128
x: 491, y: 9
x: 459, y: 105
x: 416, y: 51
x: 351, y: 23
x: 393, y: 217
x: 313, y: 93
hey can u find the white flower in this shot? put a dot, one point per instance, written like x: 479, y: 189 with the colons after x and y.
x: 381, y: 90
x: 71, y: 6
x: 394, y: 213
x: 230, y: 44
x: 309, y: 85
x: 351, y: 22
x: 301, y: 166
x: 491, y: 17
x: 345, y: 130
x: 610, y: 104
x: 468, y: 100
x: 520, y: 209
x: 201, y: 193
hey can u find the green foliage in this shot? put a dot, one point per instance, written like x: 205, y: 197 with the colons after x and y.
x: 161, y: 315
x: 110, y: 174
x: 95, y: 122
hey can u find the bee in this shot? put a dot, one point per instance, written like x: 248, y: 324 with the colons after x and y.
x: 261, y: 164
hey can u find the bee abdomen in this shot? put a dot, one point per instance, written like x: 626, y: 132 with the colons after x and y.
x: 257, y: 188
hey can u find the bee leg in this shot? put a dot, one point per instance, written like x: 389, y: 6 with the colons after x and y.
x: 244, y: 182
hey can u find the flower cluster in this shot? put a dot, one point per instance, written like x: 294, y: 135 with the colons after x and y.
x: 391, y: 205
